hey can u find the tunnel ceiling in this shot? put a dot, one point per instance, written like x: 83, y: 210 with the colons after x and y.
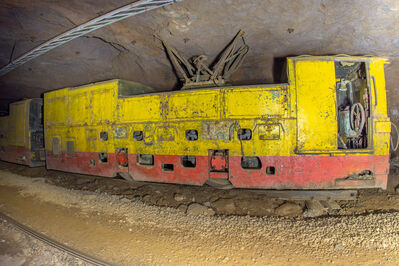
x: 131, y: 50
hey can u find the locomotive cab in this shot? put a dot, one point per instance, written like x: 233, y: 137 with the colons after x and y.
x: 341, y: 111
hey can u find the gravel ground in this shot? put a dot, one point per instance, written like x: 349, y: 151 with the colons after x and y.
x: 18, y: 248
x: 213, y: 201
x: 173, y: 237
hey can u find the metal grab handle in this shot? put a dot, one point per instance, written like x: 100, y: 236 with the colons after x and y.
x: 395, y: 147
x: 375, y: 90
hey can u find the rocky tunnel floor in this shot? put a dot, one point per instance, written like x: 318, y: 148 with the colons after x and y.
x: 130, y: 224
x: 17, y: 248
x: 207, y: 200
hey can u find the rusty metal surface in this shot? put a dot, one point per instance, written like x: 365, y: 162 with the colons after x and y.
x: 195, y: 72
x: 310, y: 194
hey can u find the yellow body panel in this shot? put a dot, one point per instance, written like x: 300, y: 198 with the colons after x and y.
x: 102, y: 102
x: 56, y: 106
x: 255, y: 102
x: 78, y: 107
x: 147, y: 108
x: 202, y: 105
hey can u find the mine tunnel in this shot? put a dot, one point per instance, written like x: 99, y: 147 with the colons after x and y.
x: 187, y: 132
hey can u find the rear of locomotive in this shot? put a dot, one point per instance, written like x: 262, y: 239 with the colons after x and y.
x: 21, y: 134
x: 80, y: 127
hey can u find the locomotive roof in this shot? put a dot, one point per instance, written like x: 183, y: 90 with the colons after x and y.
x: 337, y: 57
x: 125, y: 87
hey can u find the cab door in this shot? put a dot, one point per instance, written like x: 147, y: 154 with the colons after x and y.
x: 381, y: 122
x: 316, y: 106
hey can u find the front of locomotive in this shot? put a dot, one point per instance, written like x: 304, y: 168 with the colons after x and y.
x: 342, y: 120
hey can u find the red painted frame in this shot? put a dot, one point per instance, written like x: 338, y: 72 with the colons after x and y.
x: 291, y: 172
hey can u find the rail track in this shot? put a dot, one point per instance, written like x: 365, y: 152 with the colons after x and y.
x: 53, y: 243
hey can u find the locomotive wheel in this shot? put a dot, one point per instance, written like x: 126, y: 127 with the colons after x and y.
x: 219, y: 183
x: 126, y: 176
x: 357, y: 118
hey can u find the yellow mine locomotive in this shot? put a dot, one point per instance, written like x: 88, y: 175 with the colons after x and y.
x: 21, y: 134
x: 326, y: 128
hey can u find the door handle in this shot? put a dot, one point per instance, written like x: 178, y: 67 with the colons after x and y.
x: 375, y: 90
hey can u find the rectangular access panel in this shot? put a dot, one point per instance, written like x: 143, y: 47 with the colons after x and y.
x: 219, y: 164
x: 316, y: 106
x: 19, y: 124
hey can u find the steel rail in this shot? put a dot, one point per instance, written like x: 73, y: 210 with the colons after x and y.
x: 92, y: 25
x: 343, y: 194
x: 53, y: 243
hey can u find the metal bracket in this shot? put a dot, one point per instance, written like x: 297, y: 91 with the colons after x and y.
x: 195, y: 73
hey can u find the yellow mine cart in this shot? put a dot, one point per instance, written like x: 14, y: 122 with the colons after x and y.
x: 326, y: 128
x: 21, y: 134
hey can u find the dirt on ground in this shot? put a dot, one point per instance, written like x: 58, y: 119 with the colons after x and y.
x: 17, y: 248
x: 125, y: 231
x: 213, y: 201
